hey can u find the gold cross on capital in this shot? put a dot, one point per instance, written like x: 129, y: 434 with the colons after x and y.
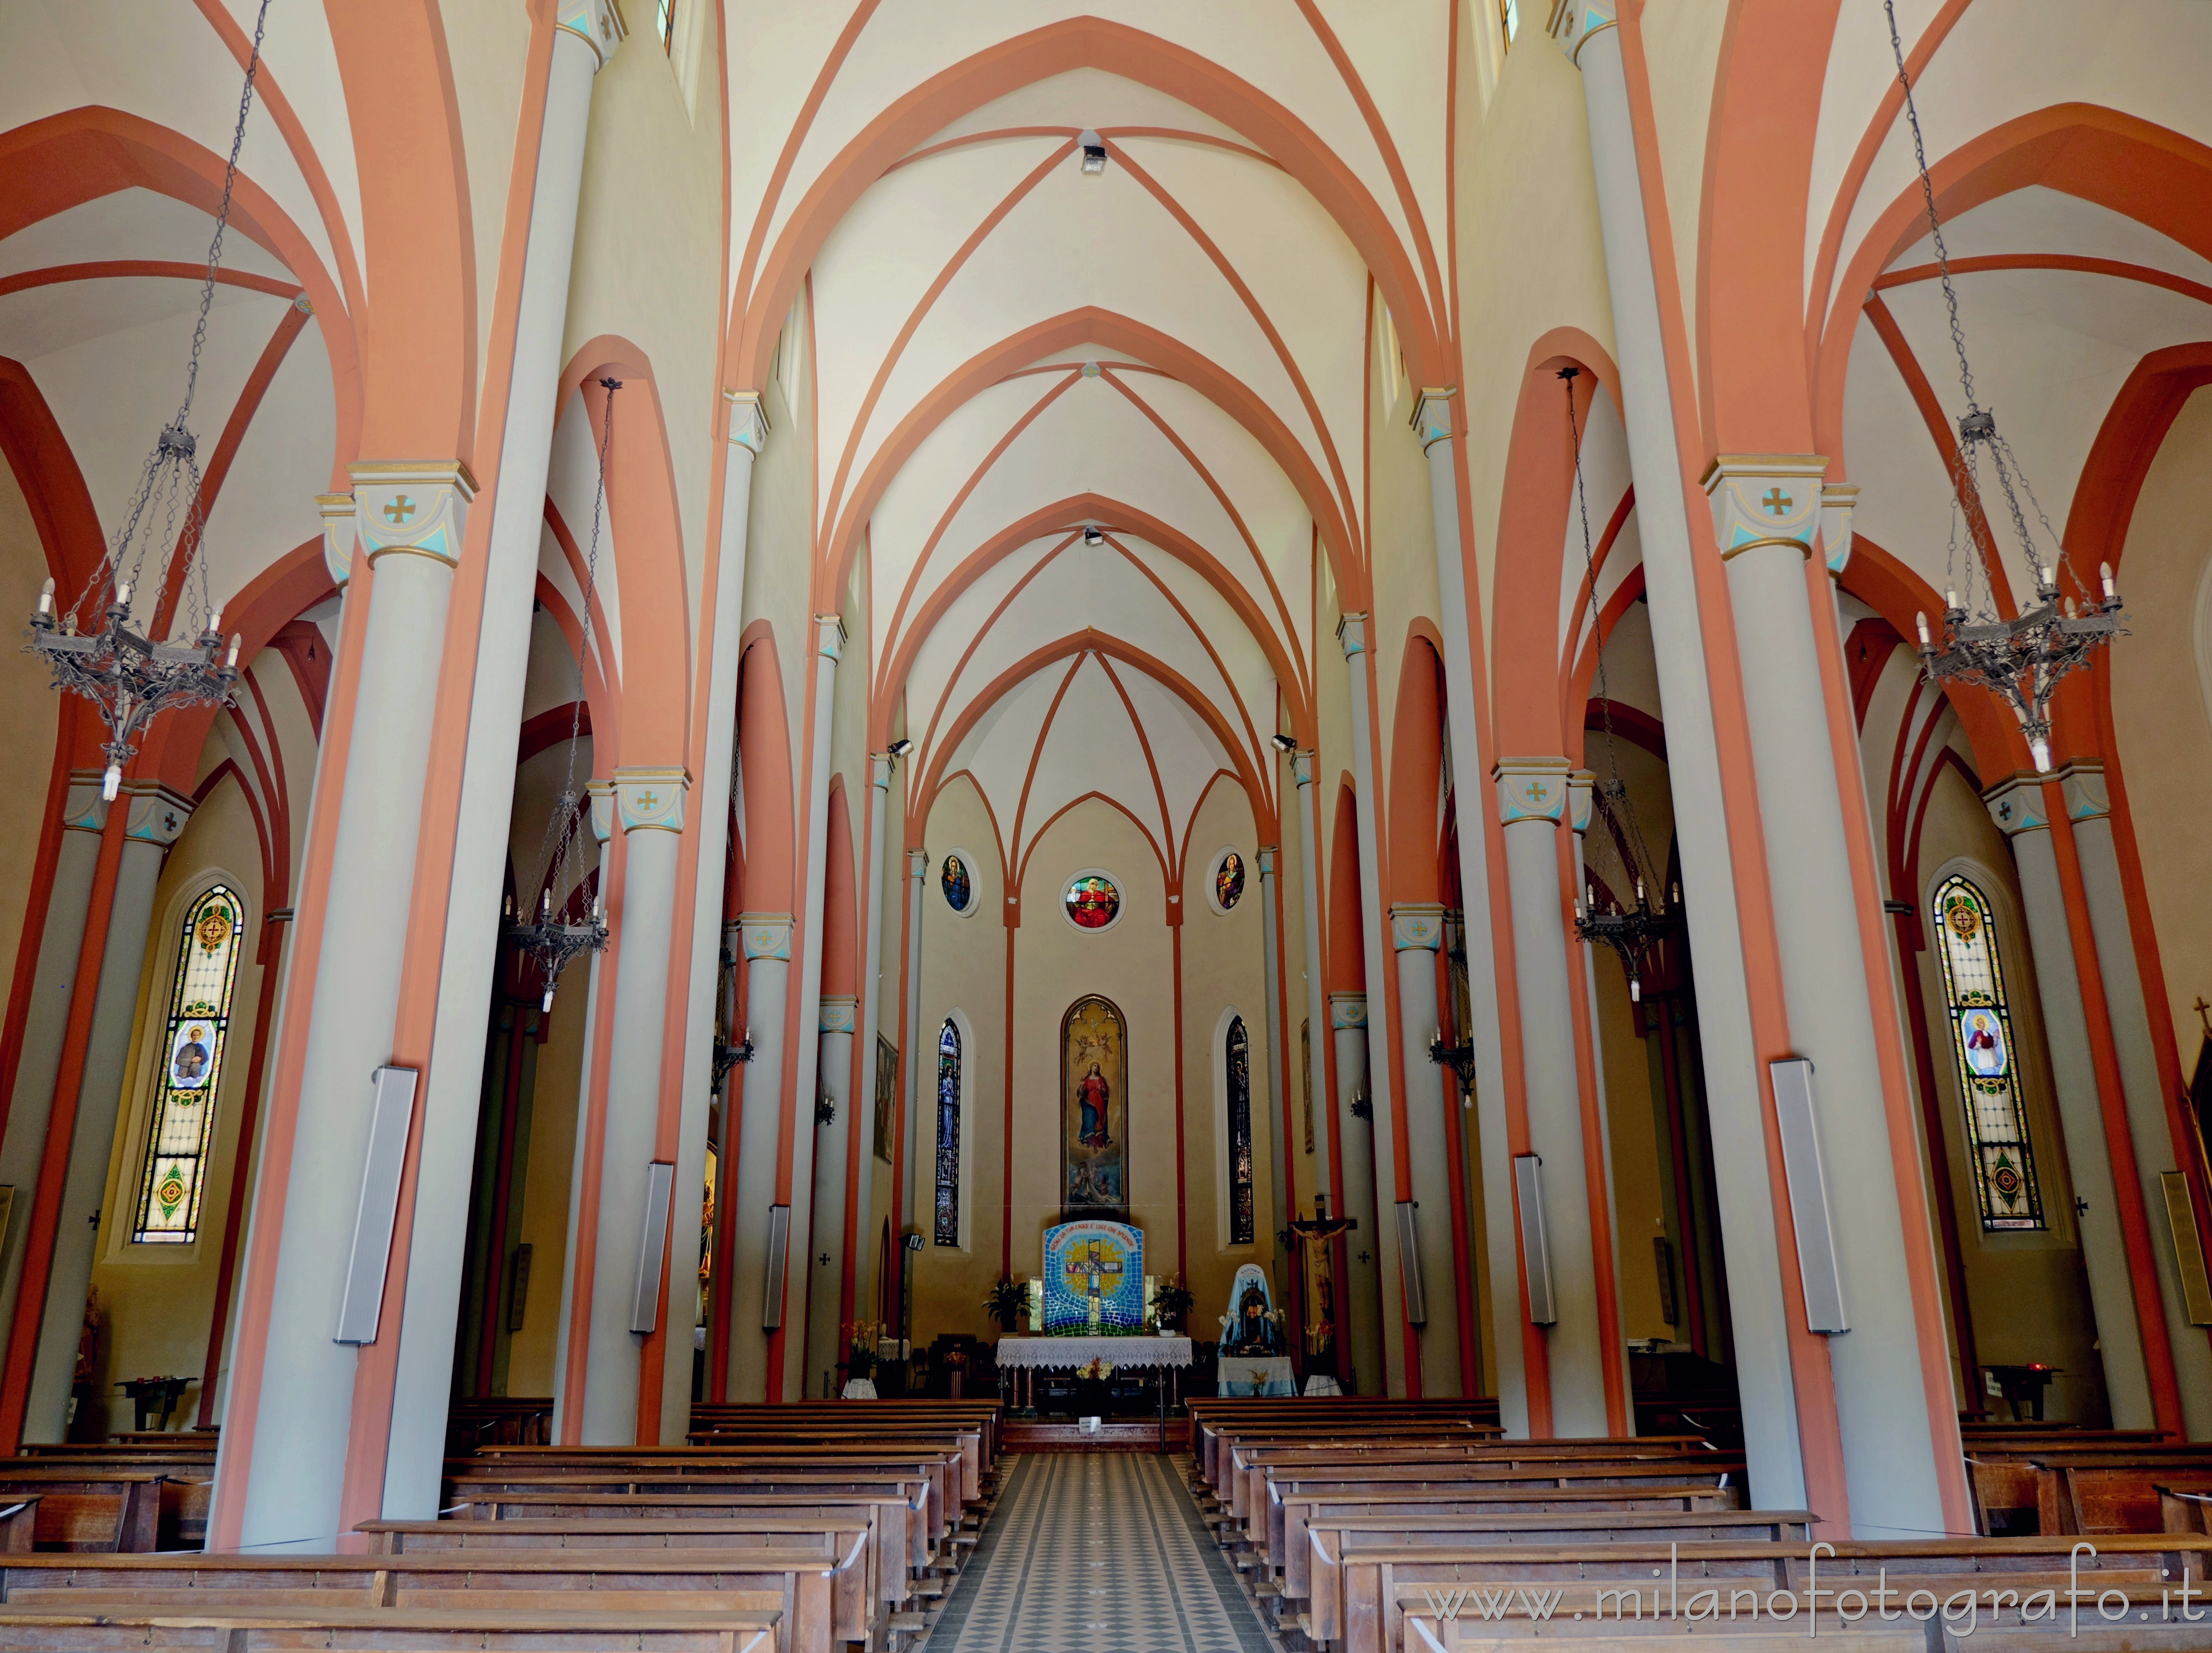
x: 400, y: 510
x: 1535, y: 791
x: 1777, y: 501
x: 649, y: 800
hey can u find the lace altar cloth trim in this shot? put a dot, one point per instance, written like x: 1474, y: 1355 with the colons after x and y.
x: 1072, y: 1352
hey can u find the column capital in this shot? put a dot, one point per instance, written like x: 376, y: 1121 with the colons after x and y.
x: 598, y: 23
x: 1417, y: 926
x: 1582, y: 796
x: 1347, y: 1010
x: 1531, y: 789
x: 840, y: 1013
x: 336, y: 512
x: 155, y: 814
x: 2082, y: 785
x: 1352, y: 632
x: 1577, y: 22
x: 1268, y: 854
x: 748, y: 420
x: 1302, y: 766
x: 829, y: 637
x: 2016, y: 805
x: 1765, y: 499
x: 599, y: 800
x: 917, y: 864
x: 415, y: 507
x: 1840, y: 501
x: 650, y: 799
x: 83, y: 809
x: 764, y: 935
x: 1432, y: 414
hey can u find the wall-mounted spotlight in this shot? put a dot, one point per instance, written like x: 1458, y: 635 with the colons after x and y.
x: 1094, y: 536
x: 1284, y: 744
x: 899, y: 748
x: 1094, y: 153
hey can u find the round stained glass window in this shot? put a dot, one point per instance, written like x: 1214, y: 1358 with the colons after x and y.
x: 1093, y: 900
x: 956, y: 877
x: 1228, y: 879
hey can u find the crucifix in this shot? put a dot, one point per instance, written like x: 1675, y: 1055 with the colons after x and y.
x: 1314, y: 1235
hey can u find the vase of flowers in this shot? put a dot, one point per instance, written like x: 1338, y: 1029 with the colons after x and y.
x: 860, y: 1351
x: 1171, y: 1301
x: 1006, y: 1302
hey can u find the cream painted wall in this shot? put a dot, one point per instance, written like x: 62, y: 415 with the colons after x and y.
x: 2027, y: 1292
x: 30, y: 710
x: 964, y: 968
x: 1639, y: 1196
x: 541, y: 1223
x: 2162, y: 707
x: 156, y: 1302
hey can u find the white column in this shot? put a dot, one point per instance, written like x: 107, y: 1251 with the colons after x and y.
x: 587, y: 33
x: 1310, y: 854
x: 649, y: 807
x: 1433, y: 422
x: 1280, y: 1210
x: 2016, y: 804
x: 825, y: 1264
x: 880, y: 767
x: 1352, y: 632
x: 157, y: 817
x: 1582, y: 787
x: 411, y: 519
x: 38, y: 1066
x: 828, y: 644
x: 1532, y: 800
x: 1416, y: 931
x: 917, y: 873
x: 766, y: 950
x: 747, y: 434
x: 1734, y: 1095
x: 2156, y: 1155
x: 1347, y: 1024
x: 1765, y: 514
x: 597, y: 980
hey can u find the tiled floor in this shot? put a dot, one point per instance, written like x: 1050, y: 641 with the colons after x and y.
x: 1096, y: 1553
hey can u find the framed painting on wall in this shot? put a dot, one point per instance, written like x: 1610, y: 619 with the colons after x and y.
x: 1094, y: 1108
x: 887, y: 1068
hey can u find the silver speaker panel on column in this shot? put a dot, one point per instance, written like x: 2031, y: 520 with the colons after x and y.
x: 779, y: 1249
x: 391, y: 1112
x: 1536, y: 1242
x: 1818, y: 1266
x: 651, y: 1247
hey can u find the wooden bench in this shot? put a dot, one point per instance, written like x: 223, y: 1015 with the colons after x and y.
x: 2115, y: 1493
x: 938, y: 1522
x: 1250, y: 1468
x: 403, y: 1630
x: 2006, y: 1485
x: 85, y: 1510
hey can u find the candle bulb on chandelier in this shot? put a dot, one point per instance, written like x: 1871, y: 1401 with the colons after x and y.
x: 215, y: 621
x: 111, y: 783
x: 47, y: 600
x: 123, y: 596
x: 1920, y: 621
x: 232, y: 663
x: 2105, y: 579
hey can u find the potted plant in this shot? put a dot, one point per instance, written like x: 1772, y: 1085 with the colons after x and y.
x: 861, y: 1356
x: 1006, y: 1301
x: 1171, y: 1301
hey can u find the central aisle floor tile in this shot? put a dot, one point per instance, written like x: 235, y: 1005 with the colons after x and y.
x: 1096, y: 1553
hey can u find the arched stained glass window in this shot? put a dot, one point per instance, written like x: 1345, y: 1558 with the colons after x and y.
x: 948, y: 1134
x: 1237, y: 1053
x: 1989, y: 1074
x: 194, y: 1041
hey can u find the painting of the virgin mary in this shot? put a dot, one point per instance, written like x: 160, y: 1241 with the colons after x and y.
x: 1094, y: 1107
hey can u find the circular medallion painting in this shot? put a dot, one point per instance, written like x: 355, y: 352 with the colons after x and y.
x: 956, y: 877
x: 1228, y: 879
x: 1093, y: 900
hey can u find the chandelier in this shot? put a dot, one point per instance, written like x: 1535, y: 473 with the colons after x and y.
x: 94, y: 647
x: 1634, y: 932
x: 551, y: 937
x: 2020, y: 660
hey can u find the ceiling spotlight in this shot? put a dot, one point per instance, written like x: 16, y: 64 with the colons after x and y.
x: 899, y: 748
x: 1094, y: 152
x: 1093, y: 535
x: 1283, y: 743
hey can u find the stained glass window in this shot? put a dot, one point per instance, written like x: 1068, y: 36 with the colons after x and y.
x: 1228, y: 881
x: 948, y: 1134
x: 194, y: 1039
x: 1981, y: 1041
x: 1092, y: 901
x: 959, y: 887
x: 664, y: 20
x: 1239, y: 1055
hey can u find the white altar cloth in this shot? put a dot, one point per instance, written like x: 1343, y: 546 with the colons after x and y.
x: 1069, y: 1353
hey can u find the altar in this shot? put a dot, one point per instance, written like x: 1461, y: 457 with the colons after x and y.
x: 1026, y: 1356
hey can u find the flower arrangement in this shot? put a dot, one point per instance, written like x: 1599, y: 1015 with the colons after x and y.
x: 1098, y: 1366
x: 1171, y: 1301
x: 860, y: 1352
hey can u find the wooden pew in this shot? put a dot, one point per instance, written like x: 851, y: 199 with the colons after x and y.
x: 2005, y: 1481
x: 822, y: 1599
x: 88, y: 1510
x: 945, y: 1461
x: 2115, y: 1493
x: 403, y: 1630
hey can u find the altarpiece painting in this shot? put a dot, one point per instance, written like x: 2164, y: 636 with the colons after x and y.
x: 1094, y: 1109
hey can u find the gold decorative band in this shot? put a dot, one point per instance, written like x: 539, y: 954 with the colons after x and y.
x: 1796, y: 545
x: 411, y: 551
x: 1608, y: 23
